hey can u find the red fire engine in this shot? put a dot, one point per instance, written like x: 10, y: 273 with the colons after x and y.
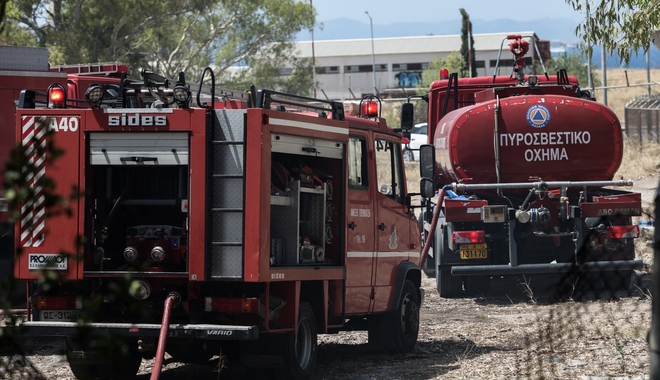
x: 525, y: 166
x: 28, y: 68
x: 248, y: 223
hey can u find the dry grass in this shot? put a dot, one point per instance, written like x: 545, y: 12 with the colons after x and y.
x: 639, y: 161
x: 629, y: 85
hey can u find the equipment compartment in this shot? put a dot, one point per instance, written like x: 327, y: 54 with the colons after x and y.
x: 304, y: 226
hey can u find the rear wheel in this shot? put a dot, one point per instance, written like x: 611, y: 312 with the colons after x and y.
x: 476, y: 285
x: 429, y: 263
x: 299, y: 350
x: 448, y: 286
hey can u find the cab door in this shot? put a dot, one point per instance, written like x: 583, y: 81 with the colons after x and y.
x: 392, y: 219
x: 360, y: 227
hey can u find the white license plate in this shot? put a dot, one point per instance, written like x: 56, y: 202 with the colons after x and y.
x: 58, y: 315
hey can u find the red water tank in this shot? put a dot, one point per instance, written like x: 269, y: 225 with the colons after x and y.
x: 556, y: 138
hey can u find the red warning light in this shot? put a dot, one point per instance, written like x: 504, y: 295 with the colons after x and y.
x: 444, y: 74
x: 56, y: 96
x: 369, y: 109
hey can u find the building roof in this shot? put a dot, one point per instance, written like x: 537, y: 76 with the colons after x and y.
x: 401, y: 45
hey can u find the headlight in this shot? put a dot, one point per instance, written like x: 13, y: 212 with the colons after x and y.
x: 140, y: 289
x: 157, y: 254
x: 130, y: 253
x: 94, y: 94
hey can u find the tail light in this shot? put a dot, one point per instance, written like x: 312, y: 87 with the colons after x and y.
x: 623, y: 232
x: 56, y: 96
x: 468, y: 237
x: 58, y: 303
x: 232, y: 305
x: 405, y: 140
x: 369, y: 109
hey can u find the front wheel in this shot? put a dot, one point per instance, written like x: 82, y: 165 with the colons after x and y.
x: 299, y: 350
x: 408, y: 155
x: 406, y: 319
x: 118, y: 362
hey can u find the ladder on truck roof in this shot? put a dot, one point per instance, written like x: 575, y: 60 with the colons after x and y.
x: 98, y: 69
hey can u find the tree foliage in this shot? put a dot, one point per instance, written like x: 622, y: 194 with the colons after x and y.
x: 454, y: 63
x: 467, y: 47
x: 622, y: 26
x: 167, y: 36
x: 574, y: 65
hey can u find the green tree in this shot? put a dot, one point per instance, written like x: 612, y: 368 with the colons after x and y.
x: 623, y: 26
x: 574, y: 65
x: 167, y: 36
x: 467, y: 47
x: 454, y: 63
x: 267, y: 74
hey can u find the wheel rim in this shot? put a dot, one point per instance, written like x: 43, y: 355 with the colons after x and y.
x: 409, y: 317
x: 304, y: 343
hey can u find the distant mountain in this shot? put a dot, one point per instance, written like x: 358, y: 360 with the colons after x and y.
x: 559, y: 31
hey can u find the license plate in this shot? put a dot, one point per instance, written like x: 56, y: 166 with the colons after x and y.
x: 58, y: 315
x: 474, y: 251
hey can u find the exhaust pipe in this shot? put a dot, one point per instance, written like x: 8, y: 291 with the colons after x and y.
x: 172, y: 300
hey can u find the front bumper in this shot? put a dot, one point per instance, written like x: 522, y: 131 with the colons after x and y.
x: 139, y: 330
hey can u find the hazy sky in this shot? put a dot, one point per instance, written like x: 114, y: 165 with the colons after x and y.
x: 391, y: 11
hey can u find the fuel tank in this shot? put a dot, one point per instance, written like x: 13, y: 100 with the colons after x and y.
x: 551, y: 137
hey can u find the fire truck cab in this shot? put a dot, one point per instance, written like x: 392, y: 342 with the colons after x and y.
x: 245, y: 224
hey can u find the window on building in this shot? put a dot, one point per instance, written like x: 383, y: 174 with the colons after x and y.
x: 358, y: 69
x: 480, y: 64
x: 409, y: 66
x: 286, y: 72
x: 381, y: 67
x: 508, y: 62
x: 327, y: 70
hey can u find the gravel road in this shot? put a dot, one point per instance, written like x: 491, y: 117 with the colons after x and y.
x: 517, y: 330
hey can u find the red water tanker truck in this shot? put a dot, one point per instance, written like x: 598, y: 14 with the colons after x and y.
x: 524, y: 167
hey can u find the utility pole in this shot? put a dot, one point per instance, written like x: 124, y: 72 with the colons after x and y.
x: 373, y: 55
x: 313, y: 57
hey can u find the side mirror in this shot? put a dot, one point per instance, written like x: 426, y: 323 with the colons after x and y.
x: 426, y: 188
x: 407, y: 115
x: 427, y: 170
x: 427, y: 165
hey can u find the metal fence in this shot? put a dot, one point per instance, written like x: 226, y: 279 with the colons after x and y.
x: 634, y: 95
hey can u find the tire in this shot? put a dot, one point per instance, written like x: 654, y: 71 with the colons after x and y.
x: 405, y: 319
x: 299, y: 350
x: 615, y: 281
x: 118, y: 366
x: 408, y: 155
x: 448, y: 286
x: 476, y: 285
x: 429, y: 263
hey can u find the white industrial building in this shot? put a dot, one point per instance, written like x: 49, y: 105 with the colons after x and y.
x: 344, y: 67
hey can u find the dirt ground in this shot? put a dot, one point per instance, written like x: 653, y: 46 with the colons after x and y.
x: 520, y: 329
